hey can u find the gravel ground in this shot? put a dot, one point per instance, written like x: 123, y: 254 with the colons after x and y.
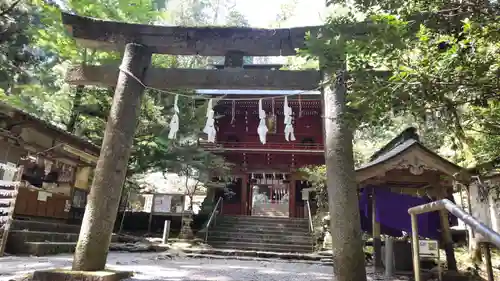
x: 155, y: 266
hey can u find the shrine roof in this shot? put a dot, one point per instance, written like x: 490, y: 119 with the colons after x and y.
x: 406, y: 147
x: 400, y: 148
x: 7, y: 109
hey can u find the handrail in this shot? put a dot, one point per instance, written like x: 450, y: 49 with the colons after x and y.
x: 445, y: 204
x: 311, y: 227
x: 212, y: 216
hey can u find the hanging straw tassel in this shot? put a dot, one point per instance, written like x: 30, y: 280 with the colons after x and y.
x: 262, y: 129
x: 287, y: 111
x: 210, y: 124
x: 174, y: 122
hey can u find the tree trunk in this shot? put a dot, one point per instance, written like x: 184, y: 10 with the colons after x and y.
x: 191, y: 196
x: 103, y: 200
x: 348, y: 256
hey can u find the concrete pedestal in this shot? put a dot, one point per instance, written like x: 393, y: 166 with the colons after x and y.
x: 70, y: 275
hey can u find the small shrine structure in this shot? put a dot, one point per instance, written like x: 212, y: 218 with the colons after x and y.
x: 403, y: 174
x: 57, y: 166
x: 45, y: 175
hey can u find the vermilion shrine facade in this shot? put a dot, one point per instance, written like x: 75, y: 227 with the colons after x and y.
x: 266, y: 177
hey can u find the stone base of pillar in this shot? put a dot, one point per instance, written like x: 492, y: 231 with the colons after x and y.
x: 73, y: 275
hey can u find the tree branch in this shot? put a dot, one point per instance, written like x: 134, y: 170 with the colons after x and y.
x: 10, y: 8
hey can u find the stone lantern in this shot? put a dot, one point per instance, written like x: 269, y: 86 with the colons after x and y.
x: 327, y: 239
x: 186, y: 231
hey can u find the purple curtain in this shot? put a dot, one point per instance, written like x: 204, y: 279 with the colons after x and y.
x: 392, y: 214
x: 392, y: 210
x: 365, y: 209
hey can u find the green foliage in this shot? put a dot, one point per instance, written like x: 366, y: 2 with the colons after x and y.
x: 84, y: 110
x: 17, y: 60
x: 435, y: 61
x: 316, y: 175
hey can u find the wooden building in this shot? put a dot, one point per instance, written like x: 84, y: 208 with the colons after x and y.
x: 266, y: 181
x: 405, y: 166
x: 57, y: 166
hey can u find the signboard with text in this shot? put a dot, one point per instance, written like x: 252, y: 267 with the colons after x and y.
x: 428, y: 248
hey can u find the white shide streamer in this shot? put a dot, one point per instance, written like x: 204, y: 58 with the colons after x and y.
x: 174, y: 122
x: 262, y: 129
x: 210, y: 125
x: 287, y: 112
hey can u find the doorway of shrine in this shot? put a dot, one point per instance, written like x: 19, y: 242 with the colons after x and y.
x: 269, y: 195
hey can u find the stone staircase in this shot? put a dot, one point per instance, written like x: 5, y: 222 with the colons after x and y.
x: 256, y: 233
x: 42, y: 238
x: 8, y: 195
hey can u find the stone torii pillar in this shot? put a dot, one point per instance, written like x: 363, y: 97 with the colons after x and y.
x: 104, y: 198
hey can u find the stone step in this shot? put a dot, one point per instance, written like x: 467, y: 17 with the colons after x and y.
x: 4, y: 211
x: 257, y: 232
x: 45, y: 226
x: 21, y: 236
x: 6, y: 202
x: 44, y: 236
x: 7, y: 187
x: 264, y: 220
x: 19, y: 241
x: 265, y: 247
x: 8, y: 182
x: 260, y: 227
x: 277, y: 240
x: 5, y: 193
x: 3, y: 220
x: 47, y: 248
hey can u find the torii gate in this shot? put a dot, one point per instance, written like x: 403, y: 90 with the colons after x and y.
x: 138, y: 43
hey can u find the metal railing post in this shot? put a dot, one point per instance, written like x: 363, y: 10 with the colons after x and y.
x: 415, y: 246
x: 447, y: 205
x: 213, y: 216
x: 489, y: 266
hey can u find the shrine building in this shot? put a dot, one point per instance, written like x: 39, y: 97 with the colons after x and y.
x: 265, y: 177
